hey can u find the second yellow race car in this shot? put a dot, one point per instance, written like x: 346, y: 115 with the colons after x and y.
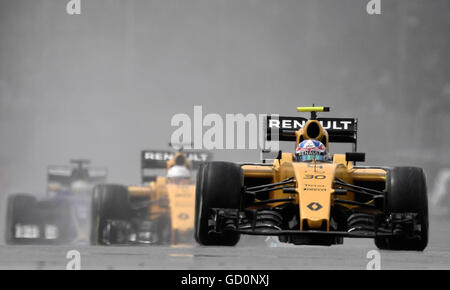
x: 160, y: 211
x: 312, y: 197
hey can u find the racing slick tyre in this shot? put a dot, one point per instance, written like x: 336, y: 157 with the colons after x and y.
x: 109, y: 202
x: 407, y: 193
x: 219, y: 185
x: 20, y: 210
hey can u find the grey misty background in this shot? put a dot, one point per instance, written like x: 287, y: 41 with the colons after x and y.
x: 105, y: 84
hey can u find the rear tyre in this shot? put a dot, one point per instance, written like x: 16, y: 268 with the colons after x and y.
x: 407, y: 193
x: 219, y: 185
x: 20, y: 210
x: 109, y: 202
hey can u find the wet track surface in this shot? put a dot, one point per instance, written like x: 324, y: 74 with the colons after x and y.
x: 251, y: 253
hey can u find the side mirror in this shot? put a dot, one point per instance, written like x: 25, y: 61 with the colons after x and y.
x: 355, y: 156
x: 149, y: 178
x: 270, y: 155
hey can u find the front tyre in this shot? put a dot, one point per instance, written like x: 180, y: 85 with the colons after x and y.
x: 109, y: 202
x: 407, y: 193
x: 219, y: 185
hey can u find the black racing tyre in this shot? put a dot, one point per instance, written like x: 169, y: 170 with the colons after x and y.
x: 20, y: 209
x: 109, y: 202
x: 407, y: 193
x: 219, y: 185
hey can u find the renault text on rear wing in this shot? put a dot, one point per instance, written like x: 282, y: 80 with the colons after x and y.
x: 340, y: 130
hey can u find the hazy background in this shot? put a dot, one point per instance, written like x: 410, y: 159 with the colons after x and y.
x: 105, y: 84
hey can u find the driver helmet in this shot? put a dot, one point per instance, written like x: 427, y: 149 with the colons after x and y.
x: 309, y: 150
x: 178, y: 174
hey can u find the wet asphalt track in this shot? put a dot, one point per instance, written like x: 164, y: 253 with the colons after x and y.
x: 351, y: 255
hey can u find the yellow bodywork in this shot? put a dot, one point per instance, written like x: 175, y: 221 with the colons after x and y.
x: 182, y: 206
x: 175, y: 200
x: 314, y: 182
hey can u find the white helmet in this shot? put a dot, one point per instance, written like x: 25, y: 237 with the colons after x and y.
x: 178, y: 171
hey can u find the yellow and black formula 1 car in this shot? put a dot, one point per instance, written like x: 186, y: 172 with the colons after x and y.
x: 63, y: 215
x: 160, y: 211
x: 312, y: 200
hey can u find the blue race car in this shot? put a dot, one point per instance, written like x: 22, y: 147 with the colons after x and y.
x: 63, y: 216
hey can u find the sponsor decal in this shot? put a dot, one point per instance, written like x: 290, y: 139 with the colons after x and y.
x: 297, y: 123
x: 164, y: 156
x: 183, y: 194
x: 312, y: 165
x: 314, y: 189
x: 315, y: 185
x: 183, y: 216
x: 314, y: 206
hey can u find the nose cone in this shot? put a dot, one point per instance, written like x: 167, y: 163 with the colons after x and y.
x: 314, y: 184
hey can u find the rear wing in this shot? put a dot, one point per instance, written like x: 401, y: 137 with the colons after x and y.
x: 60, y: 177
x: 157, y: 159
x: 340, y: 130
